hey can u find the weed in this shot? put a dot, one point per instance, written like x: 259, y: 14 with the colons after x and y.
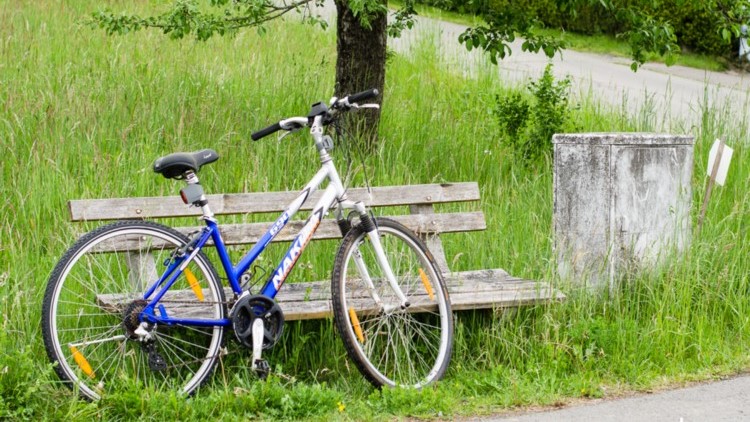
x: 528, y: 126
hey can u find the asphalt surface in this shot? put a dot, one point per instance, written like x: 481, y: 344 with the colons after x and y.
x: 727, y: 400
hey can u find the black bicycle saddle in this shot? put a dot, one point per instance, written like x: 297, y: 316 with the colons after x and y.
x: 174, y: 166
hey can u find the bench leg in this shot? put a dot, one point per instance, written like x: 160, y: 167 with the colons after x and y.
x: 432, y: 240
x: 142, y: 270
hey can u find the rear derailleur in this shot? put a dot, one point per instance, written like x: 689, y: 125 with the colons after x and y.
x: 141, y: 332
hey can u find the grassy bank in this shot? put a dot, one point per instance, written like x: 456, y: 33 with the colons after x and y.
x: 83, y: 115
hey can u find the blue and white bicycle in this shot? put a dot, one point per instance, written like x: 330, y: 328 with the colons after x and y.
x: 136, y: 301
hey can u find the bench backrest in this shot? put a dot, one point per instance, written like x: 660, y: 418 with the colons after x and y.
x: 420, y: 199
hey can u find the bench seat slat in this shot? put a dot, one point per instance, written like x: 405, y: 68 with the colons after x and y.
x: 328, y: 229
x: 485, y: 289
x: 260, y: 202
x: 238, y: 234
x: 458, y: 283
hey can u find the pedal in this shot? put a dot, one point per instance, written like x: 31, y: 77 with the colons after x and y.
x: 261, y: 368
x: 155, y: 361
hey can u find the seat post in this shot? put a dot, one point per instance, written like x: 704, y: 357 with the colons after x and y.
x: 191, y: 178
x: 193, y: 194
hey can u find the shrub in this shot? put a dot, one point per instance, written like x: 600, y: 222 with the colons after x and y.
x: 528, y: 126
x: 512, y: 112
x: 550, y: 112
x: 694, y: 25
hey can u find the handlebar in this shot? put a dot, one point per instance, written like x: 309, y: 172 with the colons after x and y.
x: 341, y: 104
x: 364, y: 95
x: 266, y: 131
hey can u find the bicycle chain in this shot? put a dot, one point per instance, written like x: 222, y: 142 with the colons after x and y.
x: 222, y: 351
x: 192, y: 302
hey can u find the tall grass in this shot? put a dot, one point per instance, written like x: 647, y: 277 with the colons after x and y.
x: 83, y: 115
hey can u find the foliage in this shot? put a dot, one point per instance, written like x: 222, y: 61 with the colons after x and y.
x: 649, y: 27
x: 18, y: 383
x: 528, y: 127
x: 203, y: 20
x: 512, y: 111
x: 644, y: 33
x: 187, y: 17
x: 501, y: 30
x: 402, y: 19
x: 647, y: 34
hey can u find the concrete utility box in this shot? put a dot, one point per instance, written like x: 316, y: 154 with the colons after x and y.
x: 620, y: 200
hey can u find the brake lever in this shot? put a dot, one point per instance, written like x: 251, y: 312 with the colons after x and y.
x: 288, y: 132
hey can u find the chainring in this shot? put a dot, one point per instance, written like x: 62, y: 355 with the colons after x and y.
x: 247, y: 309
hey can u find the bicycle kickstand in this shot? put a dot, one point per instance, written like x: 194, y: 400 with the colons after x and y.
x: 260, y: 366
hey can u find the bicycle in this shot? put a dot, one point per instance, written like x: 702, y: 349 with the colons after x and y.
x: 111, y: 316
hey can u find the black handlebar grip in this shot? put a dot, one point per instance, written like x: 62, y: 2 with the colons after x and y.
x: 364, y: 95
x: 266, y: 131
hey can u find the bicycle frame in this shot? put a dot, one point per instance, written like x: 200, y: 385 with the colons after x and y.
x: 333, y: 194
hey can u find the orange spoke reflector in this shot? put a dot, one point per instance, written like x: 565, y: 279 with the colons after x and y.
x: 355, y: 324
x: 194, y: 284
x: 82, y: 362
x: 427, y: 284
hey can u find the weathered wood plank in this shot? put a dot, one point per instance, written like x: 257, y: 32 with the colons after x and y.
x: 461, y: 282
x: 142, y: 269
x: 484, y: 289
x: 260, y: 202
x: 432, y: 240
x: 239, y: 234
x: 460, y: 301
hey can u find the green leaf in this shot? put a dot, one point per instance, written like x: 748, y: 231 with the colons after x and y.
x: 726, y: 34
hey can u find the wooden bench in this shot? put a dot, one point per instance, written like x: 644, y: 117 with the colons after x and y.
x: 485, y: 288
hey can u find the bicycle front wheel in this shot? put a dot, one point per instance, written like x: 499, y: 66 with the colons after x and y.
x: 390, y: 344
x: 92, y: 305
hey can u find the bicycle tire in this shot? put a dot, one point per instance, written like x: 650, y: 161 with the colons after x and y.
x: 405, y: 347
x: 91, y: 307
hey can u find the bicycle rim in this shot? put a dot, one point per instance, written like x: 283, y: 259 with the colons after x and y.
x: 392, y: 346
x: 92, y: 304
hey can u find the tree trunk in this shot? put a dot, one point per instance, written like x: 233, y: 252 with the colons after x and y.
x: 360, y: 65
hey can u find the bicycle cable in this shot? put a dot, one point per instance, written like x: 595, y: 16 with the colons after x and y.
x: 343, y: 132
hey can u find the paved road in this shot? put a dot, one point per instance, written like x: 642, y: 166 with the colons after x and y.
x: 727, y: 400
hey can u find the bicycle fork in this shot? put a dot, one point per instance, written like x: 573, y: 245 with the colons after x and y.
x: 368, y: 225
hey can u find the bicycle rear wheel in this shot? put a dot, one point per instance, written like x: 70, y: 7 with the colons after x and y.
x: 391, y: 345
x: 92, y: 305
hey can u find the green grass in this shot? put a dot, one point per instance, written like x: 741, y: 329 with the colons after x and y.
x: 83, y: 115
x: 609, y: 45
x: 438, y: 13
x: 596, y: 43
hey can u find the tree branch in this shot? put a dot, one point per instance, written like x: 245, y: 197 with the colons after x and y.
x: 185, y: 18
